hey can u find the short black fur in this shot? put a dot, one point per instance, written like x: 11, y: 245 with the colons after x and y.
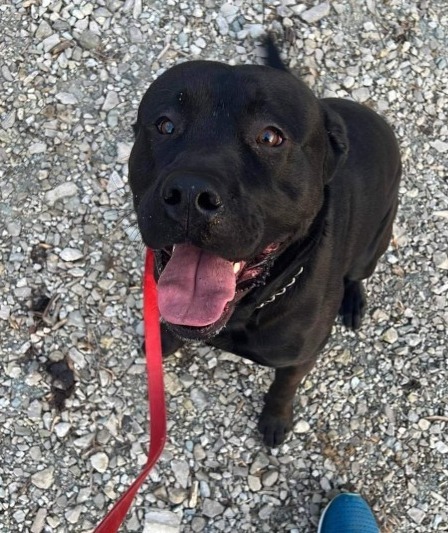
x: 324, y: 198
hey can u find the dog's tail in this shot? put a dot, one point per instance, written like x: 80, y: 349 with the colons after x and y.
x: 273, y: 58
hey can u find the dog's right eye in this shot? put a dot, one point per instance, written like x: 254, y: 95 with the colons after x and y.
x: 165, y: 126
x: 270, y: 137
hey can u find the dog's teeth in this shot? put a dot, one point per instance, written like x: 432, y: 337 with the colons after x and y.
x: 236, y: 267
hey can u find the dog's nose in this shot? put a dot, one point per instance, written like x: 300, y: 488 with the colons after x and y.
x: 190, y: 196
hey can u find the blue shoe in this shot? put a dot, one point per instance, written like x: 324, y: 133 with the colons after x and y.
x: 348, y: 513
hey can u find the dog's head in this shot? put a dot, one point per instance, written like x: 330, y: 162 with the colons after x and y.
x: 228, y: 167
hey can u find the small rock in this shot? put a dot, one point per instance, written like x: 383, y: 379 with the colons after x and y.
x: 111, y: 101
x: 84, y: 494
x: 198, y: 13
x: 76, y: 319
x: 39, y: 521
x: 67, y: 98
x: 254, y: 483
x: 71, y: 254
x: 37, y: 148
x: 348, y: 82
x: 43, y: 479
x: 424, y: 424
x: 256, y: 30
x: 193, y: 497
x: 315, y: 13
x: 115, y: 5
x: 361, y: 95
x: 440, y: 146
x: 325, y: 484
x: 177, y: 496
x: 65, y: 190
x: 85, y: 441
x: 9, y: 120
x: 14, y: 228
x: 261, y: 461
x: 19, y: 516
x: 212, y: 508
x: 50, y: 42
x: 61, y: 429
x: 100, y: 462
x: 237, y: 28
x: 35, y: 409
x: 265, y: 511
x: 43, y: 30
x: 72, y: 515
x: 441, y: 260
x: 301, y: 426
x: 199, y: 452
x: 135, y: 35
x: 115, y: 182
x: 137, y: 10
x: 223, y: 26
x: 5, y: 312
x: 199, y: 398
x: 441, y: 447
x: 228, y: 10
x: 195, y: 50
x: 123, y: 152
x: 182, y: 39
x: 172, y: 384
x: 89, y: 40
x: 269, y: 478
x: 181, y: 472
x: 200, y: 42
x: 390, y: 335
x: 416, y: 514
x: 187, y: 380
x: 161, y: 521
x: 354, y: 382
x: 6, y: 73
x: 198, y: 524
x: 204, y: 489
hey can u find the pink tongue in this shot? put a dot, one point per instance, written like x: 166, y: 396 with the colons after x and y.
x: 195, y: 286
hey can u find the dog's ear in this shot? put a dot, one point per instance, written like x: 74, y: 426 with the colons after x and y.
x: 338, y: 144
x: 273, y: 58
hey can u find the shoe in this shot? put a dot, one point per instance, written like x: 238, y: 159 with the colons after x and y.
x: 348, y: 513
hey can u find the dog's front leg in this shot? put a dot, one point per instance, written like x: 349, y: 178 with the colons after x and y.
x: 277, y: 415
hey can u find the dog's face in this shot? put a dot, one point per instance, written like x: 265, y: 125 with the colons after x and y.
x: 228, y: 167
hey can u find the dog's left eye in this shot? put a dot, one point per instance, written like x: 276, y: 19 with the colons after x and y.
x: 165, y: 126
x: 270, y: 137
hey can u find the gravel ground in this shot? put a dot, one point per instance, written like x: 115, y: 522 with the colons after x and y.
x: 371, y: 417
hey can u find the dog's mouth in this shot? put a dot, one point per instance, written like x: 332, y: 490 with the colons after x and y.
x: 198, y: 290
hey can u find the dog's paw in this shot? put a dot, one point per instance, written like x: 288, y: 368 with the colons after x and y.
x: 274, y: 427
x: 353, y: 304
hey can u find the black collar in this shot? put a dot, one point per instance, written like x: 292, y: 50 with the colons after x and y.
x: 291, y: 262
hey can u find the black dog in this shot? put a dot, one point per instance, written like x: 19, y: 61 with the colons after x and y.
x: 266, y: 207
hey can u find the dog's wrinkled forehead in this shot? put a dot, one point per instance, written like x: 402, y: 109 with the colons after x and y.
x: 218, y: 90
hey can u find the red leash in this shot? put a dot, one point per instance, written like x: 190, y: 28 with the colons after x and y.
x: 114, y: 518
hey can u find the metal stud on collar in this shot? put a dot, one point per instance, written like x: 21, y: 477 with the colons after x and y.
x: 281, y: 291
